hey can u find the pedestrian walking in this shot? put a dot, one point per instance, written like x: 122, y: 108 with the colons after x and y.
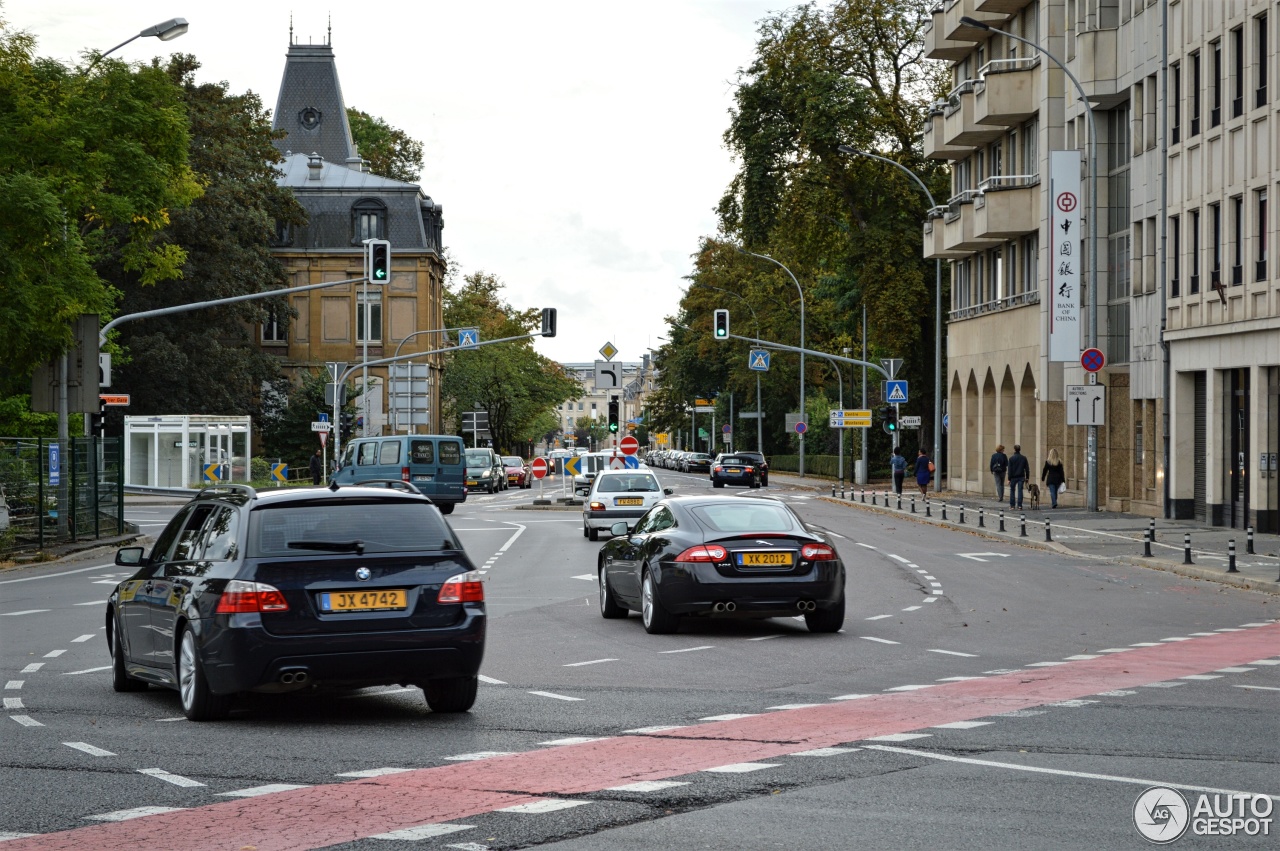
x: 317, y: 468
x: 999, y: 464
x: 923, y: 471
x: 1019, y: 472
x: 1053, y: 475
x: 898, y: 463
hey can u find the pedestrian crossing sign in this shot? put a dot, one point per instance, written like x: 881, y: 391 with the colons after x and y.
x: 895, y: 391
x: 758, y: 360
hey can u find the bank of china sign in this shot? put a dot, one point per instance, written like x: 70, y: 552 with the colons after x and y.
x: 1066, y: 259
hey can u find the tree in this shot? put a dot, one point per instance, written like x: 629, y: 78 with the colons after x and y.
x: 93, y: 165
x: 391, y: 152
x: 512, y: 382
x: 286, y: 432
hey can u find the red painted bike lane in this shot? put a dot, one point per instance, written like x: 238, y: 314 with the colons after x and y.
x: 319, y: 816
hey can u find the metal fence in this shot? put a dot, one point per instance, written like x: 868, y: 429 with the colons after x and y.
x: 59, y: 491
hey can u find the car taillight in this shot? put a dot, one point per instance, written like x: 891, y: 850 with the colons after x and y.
x: 751, y: 469
x: 463, y: 588
x: 241, y: 597
x: 702, y: 552
x: 404, y: 474
x: 597, y: 506
x: 719, y: 469
x: 817, y: 552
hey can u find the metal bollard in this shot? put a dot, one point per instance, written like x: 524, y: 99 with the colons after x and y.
x: 899, y: 501
x: 1231, y: 556
x: 1048, y: 534
x: 1186, y: 549
x: 944, y: 511
x: 833, y: 490
x: 1248, y: 540
x: 962, y: 515
x: 1022, y: 521
x: 864, y: 496
x: 873, y: 497
x: 1151, y: 527
x: 913, y: 505
x: 1002, y: 520
x: 1146, y: 543
x: 981, y: 523
x: 928, y: 508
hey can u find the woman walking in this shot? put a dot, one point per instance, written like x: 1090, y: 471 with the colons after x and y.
x: 923, y: 471
x: 1054, y: 476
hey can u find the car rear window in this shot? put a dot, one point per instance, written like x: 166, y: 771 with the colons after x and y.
x: 450, y: 452
x: 513, y: 461
x: 478, y: 459
x: 382, y: 526
x: 733, y: 459
x: 422, y: 451
x: 627, y: 484
x: 745, y: 515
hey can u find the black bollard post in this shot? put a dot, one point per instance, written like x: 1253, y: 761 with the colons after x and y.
x: 833, y: 490
x: 1248, y: 540
x: 944, y: 511
x: 1048, y: 535
x: 873, y: 497
x: 864, y: 495
x: 962, y: 515
x: 1002, y: 520
x: 1231, y: 556
x: 1186, y: 549
x: 899, y: 500
x: 1022, y: 521
x: 1146, y: 543
x: 1151, y: 527
x: 913, y: 504
x: 928, y: 508
x: 981, y: 523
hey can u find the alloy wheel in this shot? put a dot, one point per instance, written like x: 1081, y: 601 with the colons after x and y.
x: 187, y: 669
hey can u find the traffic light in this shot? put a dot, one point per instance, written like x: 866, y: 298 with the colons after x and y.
x: 613, y: 415
x: 889, y: 419
x: 97, y: 422
x: 722, y: 324
x: 345, y: 422
x: 548, y: 321
x: 378, y: 260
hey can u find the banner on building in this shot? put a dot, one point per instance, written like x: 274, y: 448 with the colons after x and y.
x: 1066, y: 257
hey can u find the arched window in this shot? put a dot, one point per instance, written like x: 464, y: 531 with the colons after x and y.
x: 368, y: 220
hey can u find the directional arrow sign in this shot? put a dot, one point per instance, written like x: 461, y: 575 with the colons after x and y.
x: 571, y: 466
x: 982, y: 556
x: 1086, y: 404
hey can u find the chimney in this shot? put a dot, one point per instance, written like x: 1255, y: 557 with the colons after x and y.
x: 314, y: 163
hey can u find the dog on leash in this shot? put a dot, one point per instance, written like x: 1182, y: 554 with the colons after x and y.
x: 1033, y: 492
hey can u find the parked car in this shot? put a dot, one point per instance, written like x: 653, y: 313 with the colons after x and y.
x: 304, y: 588
x: 718, y: 556
x: 432, y: 463
x: 619, y: 495
x: 517, y: 471
x: 734, y: 470
x: 485, y: 470
x: 760, y: 462
x: 695, y: 462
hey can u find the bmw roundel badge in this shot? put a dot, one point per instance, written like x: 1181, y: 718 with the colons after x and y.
x: 362, y: 573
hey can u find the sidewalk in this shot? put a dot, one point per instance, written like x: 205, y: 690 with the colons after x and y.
x: 1077, y: 531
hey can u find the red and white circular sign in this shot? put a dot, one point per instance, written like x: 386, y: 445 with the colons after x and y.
x: 1067, y: 201
x: 629, y: 445
x: 538, y: 467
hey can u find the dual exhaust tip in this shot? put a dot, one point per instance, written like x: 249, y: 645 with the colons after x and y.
x: 725, y: 607
x: 295, y: 678
x: 806, y: 605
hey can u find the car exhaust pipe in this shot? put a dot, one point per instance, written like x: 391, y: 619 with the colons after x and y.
x: 302, y: 676
x: 294, y: 676
x: 287, y: 678
x: 806, y: 605
x: 718, y: 608
x: 730, y: 606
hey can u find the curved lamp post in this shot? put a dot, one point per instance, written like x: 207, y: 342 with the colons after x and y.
x: 165, y: 31
x: 803, y: 415
x: 937, y: 274
x: 1092, y: 460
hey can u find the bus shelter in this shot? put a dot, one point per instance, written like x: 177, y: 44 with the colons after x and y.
x: 186, y: 450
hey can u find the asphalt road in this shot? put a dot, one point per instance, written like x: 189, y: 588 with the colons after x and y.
x: 981, y: 695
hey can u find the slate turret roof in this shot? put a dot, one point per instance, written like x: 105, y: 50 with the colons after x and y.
x: 310, y: 107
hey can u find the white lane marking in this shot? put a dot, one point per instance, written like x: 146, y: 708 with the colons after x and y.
x: 930, y: 599
x: 373, y: 772
x: 910, y: 687
x: 490, y: 680
x: 648, y: 786
x: 764, y: 637
x: 478, y: 755
x: 909, y: 609
x: 546, y: 805
x: 899, y: 737
x: 1234, y: 670
x: 1202, y: 634
x: 1021, y: 713
x: 1044, y: 664
x: 881, y: 640
x: 106, y: 582
x: 1162, y: 685
x: 868, y: 546
x: 592, y: 662
x: 90, y: 603
x: 519, y: 531
x: 850, y: 696
x: 176, y: 718
x: 935, y: 585
x: 91, y: 750
x: 589, y: 577
x: 689, y: 649
x: 794, y: 706
x: 658, y: 728
x: 552, y: 694
x: 741, y: 767
x: 1136, y: 781
x: 1265, y: 662
x: 1177, y: 638
x: 1146, y: 644
x: 82, y: 639
x: 1003, y: 671
x: 1263, y: 688
x: 87, y: 671
x: 1116, y: 693
x: 54, y: 654
x: 954, y: 653
x: 930, y: 578
x: 23, y: 612
x: 13, y: 703
x: 1082, y: 657
x: 896, y: 557
x: 824, y: 752
x: 26, y: 720
x: 1116, y: 650
x: 425, y: 831
x: 1073, y: 704
x: 136, y: 812
x: 730, y: 716
x: 269, y: 789
x: 921, y: 571
x: 14, y: 685
x: 6, y: 835
x: 878, y: 617
x: 958, y: 679
x: 1253, y: 624
x: 175, y: 779
x: 1229, y: 629
x: 52, y: 575
x: 573, y: 740
x: 1201, y: 677
x: 962, y: 725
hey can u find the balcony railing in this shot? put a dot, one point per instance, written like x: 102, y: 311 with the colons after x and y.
x: 1008, y: 181
x: 953, y: 97
x: 1009, y: 301
x: 952, y: 210
x: 1003, y: 66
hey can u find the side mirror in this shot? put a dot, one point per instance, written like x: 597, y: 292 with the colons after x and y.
x: 618, y: 529
x: 668, y: 491
x: 129, y: 556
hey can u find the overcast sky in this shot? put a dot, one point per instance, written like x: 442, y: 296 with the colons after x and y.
x: 576, y: 147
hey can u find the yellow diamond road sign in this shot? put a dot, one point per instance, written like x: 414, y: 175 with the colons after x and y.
x: 607, y: 351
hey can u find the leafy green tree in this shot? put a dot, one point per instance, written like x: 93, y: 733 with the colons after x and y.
x: 589, y: 432
x: 391, y: 152
x: 93, y: 165
x: 287, y: 433
x: 511, y: 381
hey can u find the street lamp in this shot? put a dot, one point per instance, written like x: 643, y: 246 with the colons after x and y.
x: 1092, y: 460
x: 759, y: 409
x: 803, y: 415
x: 937, y: 275
x: 165, y: 31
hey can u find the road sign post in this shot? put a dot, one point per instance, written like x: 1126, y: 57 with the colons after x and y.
x: 629, y: 445
x: 1086, y: 404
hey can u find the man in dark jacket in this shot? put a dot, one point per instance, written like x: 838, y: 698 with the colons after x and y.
x: 1019, y: 472
x: 999, y: 464
x: 317, y: 468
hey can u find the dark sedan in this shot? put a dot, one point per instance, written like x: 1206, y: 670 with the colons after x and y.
x: 720, y: 556
x: 761, y: 464
x: 299, y: 589
x: 696, y: 462
x: 734, y: 470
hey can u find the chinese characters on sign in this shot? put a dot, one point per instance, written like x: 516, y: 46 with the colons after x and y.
x: 1065, y: 234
